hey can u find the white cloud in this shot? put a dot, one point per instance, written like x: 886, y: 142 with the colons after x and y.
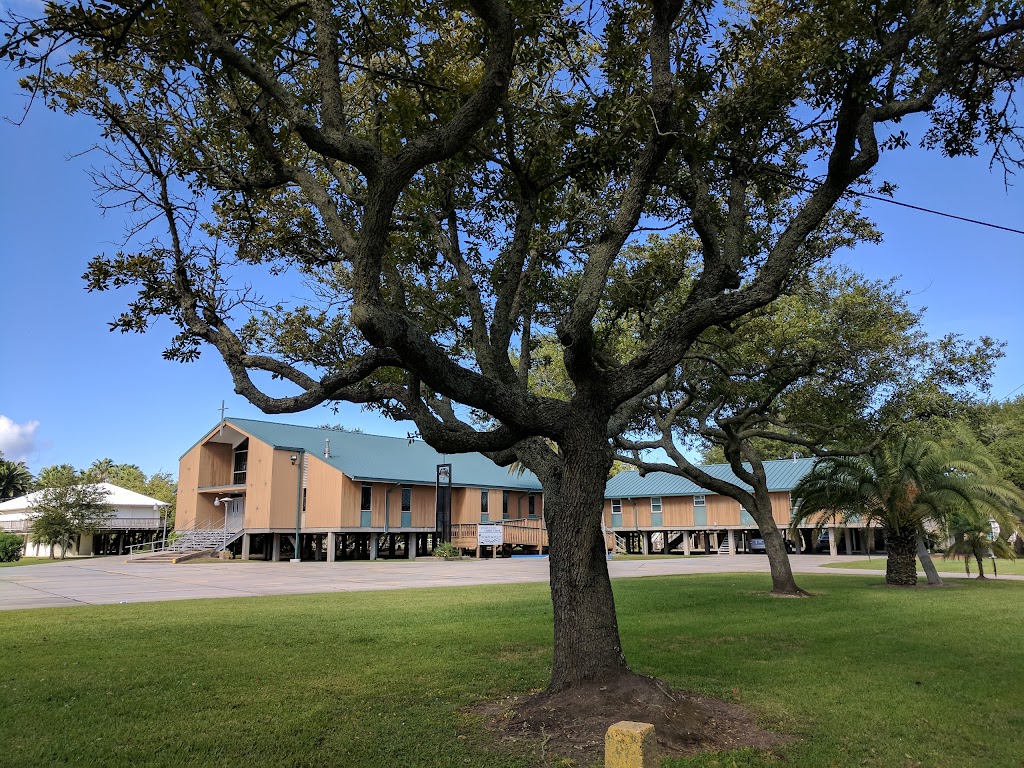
x: 17, y: 441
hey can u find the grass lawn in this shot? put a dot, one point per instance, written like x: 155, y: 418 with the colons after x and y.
x: 862, y: 675
x: 1008, y: 567
x: 28, y: 561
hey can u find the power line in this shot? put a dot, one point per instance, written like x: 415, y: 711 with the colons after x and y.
x: 1012, y: 391
x: 804, y: 182
x: 967, y: 219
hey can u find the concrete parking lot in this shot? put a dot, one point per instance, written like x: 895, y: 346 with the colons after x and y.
x: 98, y: 581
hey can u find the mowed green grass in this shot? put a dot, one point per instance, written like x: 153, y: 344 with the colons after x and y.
x: 861, y: 675
x: 1007, y: 567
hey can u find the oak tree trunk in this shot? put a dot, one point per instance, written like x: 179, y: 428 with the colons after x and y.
x: 587, y: 648
x: 901, y: 561
x: 783, y: 582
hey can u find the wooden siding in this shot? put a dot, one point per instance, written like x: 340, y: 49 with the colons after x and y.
x: 465, y: 505
x: 324, y: 489
x: 677, y: 512
x: 195, y: 509
x: 216, y: 463
x: 188, y: 489
x: 258, y: 478
x: 284, y: 488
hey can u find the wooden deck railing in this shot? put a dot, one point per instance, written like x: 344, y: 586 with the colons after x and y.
x: 116, y: 523
x: 527, y: 532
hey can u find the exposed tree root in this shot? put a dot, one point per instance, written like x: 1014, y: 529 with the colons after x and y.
x: 573, y: 722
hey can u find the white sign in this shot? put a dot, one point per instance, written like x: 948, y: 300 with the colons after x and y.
x: 490, y: 535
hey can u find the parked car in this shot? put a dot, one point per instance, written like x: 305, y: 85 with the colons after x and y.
x: 823, y: 543
x: 756, y: 546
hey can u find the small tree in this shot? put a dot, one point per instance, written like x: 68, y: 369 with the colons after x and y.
x: 971, y: 535
x: 60, y: 513
x: 11, y: 547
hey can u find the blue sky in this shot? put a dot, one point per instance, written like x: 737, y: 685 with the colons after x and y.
x: 73, y: 392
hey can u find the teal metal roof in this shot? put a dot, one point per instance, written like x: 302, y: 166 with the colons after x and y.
x: 783, y: 475
x: 387, y: 459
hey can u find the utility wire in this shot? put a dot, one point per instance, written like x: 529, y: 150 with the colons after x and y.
x: 882, y: 199
x: 811, y: 185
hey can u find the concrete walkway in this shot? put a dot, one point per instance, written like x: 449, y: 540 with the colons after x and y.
x: 99, y: 581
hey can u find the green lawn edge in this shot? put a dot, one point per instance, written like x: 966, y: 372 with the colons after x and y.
x: 860, y: 675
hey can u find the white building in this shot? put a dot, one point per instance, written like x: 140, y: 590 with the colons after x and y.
x: 136, y: 519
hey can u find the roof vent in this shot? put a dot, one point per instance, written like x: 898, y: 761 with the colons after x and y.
x: 327, y: 448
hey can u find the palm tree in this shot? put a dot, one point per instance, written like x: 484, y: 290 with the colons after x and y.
x: 972, y: 536
x: 904, y: 486
x: 15, y: 479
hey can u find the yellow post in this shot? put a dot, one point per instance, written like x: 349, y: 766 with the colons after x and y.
x: 630, y: 745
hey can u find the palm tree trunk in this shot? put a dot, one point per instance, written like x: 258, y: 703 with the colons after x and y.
x: 926, y: 560
x: 901, y: 561
x: 981, y: 566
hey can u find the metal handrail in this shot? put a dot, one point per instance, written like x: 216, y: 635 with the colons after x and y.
x: 214, y: 529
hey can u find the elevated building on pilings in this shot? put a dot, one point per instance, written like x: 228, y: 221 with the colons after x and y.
x: 663, y: 512
x: 278, y: 491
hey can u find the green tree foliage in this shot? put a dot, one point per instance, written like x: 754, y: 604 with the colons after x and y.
x: 905, y: 485
x: 827, y: 368
x: 1000, y: 428
x: 449, y: 181
x: 159, y: 485
x: 11, y: 547
x: 15, y: 479
x: 56, y: 475
x: 60, y: 513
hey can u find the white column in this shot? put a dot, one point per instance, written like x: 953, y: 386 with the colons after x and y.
x: 833, y: 545
x: 410, y: 545
x: 848, y: 540
x: 731, y: 537
x: 644, y: 538
x: 276, y: 551
x: 373, y: 545
x: 246, y: 541
x: 686, y: 542
x: 332, y: 545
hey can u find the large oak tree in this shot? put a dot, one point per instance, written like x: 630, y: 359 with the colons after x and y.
x: 447, y: 180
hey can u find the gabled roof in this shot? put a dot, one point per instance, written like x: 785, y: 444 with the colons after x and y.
x: 783, y: 475
x: 386, y: 459
x: 116, y: 497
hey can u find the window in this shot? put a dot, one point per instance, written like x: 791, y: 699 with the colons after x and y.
x: 698, y: 501
x: 504, y: 505
x: 365, y: 505
x: 406, y: 506
x: 616, y: 513
x: 485, y: 515
x: 656, y: 511
x: 532, y: 505
x: 240, y: 463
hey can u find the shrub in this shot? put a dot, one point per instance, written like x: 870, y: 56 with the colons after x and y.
x: 447, y: 550
x: 10, y: 547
